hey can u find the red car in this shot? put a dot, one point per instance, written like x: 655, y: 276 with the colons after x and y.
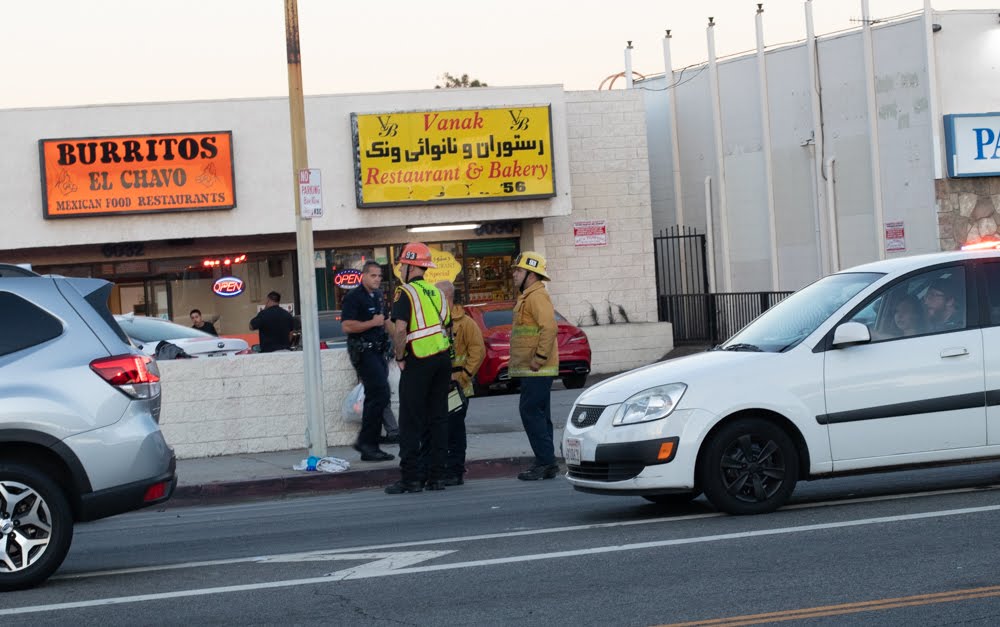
x: 494, y: 319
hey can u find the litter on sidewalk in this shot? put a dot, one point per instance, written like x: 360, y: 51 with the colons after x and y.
x: 323, y: 464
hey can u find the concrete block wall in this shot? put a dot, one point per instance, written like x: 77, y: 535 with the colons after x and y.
x: 609, y: 177
x: 619, y: 347
x: 249, y: 404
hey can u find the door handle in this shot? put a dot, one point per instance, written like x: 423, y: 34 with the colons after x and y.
x: 956, y: 351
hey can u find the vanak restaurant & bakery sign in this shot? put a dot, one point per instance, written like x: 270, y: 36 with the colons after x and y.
x: 428, y: 157
x: 137, y: 174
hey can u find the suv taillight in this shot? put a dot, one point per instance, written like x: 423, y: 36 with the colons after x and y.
x: 135, y: 375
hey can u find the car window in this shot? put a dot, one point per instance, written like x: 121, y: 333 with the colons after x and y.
x: 991, y: 273
x: 153, y: 330
x: 23, y: 324
x: 792, y: 320
x: 929, y: 302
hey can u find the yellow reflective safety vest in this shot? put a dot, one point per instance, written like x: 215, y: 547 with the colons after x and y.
x: 425, y: 333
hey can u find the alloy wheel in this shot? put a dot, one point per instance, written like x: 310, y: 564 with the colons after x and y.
x: 25, y: 526
x: 752, y: 468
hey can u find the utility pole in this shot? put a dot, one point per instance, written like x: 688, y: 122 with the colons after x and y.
x: 315, y: 419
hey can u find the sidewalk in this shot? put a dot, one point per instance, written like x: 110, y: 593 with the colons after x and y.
x: 497, y: 447
x: 264, y: 475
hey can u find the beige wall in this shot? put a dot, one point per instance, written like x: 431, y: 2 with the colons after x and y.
x: 609, y: 174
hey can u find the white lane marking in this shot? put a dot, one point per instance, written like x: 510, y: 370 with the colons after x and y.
x: 383, y: 561
x: 379, y: 547
x: 509, y: 534
x: 343, y: 575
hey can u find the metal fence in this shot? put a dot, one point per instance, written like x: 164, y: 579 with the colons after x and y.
x: 683, y: 297
x: 713, y: 318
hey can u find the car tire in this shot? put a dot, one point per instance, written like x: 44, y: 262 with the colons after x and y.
x: 749, y: 466
x: 32, y: 508
x: 574, y: 381
x: 479, y: 389
x: 678, y: 498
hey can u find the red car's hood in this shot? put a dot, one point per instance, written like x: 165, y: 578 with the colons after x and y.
x: 501, y: 334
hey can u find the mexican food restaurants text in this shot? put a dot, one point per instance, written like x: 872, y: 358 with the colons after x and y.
x: 137, y: 174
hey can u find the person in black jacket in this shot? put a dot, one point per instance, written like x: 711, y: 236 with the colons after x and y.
x: 363, y: 320
x: 274, y: 324
x: 197, y: 322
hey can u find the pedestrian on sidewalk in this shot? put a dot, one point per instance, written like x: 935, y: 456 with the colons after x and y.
x: 363, y: 322
x: 467, y: 353
x: 274, y: 324
x: 420, y: 315
x: 534, y: 359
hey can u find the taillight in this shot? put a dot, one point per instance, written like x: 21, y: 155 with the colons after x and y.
x: 155, y: 492
x: 578, y: 337
x: 134, y: 375
x: 322, y: 345
x: 245, y: 351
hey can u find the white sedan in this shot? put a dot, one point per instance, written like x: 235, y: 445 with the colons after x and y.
x: 147, y: 333
x: 879, y: 366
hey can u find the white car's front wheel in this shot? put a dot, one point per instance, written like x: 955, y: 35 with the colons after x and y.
x: 749, y: 466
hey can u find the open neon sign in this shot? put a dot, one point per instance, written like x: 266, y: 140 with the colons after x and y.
x: 228, y: 286
x: 347, y: 279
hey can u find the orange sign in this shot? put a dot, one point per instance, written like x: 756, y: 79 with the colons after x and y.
x: 137, y: 174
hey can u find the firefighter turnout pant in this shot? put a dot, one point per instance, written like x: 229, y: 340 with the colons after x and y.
x: 423, y: 417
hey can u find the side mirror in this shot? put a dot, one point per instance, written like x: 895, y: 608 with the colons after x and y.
x: 851, y: 333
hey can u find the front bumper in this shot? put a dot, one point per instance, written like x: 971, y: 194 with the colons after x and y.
x: 657, y: 457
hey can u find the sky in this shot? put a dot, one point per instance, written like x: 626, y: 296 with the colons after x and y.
x: 73, y: 52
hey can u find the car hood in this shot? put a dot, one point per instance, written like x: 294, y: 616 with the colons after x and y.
x: 691, y: 370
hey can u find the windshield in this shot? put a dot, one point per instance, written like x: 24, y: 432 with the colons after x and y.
x: 153, y: 330
x: 789, y: 322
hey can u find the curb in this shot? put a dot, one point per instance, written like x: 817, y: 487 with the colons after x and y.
x: 320, y: 482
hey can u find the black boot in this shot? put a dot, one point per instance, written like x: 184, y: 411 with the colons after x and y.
x: 538, y: 471
x: 402, y: 487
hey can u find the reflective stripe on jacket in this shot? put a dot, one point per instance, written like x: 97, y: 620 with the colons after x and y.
x: 534, y: 334
x: 425, y: 334
x: 470, y: 350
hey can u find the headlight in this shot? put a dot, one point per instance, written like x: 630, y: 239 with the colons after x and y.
x: 651, y: 404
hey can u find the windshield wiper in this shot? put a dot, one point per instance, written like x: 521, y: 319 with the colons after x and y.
x: 751, y: 348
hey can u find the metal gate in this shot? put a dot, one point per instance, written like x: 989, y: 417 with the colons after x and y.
x: 682, y: 292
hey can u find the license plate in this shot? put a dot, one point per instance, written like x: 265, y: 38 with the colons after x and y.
x: 571, y: 451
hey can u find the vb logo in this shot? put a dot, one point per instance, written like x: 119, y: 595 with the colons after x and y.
x: 520, y: 123
x: 388, y: 129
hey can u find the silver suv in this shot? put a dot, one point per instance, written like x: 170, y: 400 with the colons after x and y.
x: 79, y: 411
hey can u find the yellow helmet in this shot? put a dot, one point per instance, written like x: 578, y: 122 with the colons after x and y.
x: 532, y: 262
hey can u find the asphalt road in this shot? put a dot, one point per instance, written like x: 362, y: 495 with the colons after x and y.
x: 913, y: 548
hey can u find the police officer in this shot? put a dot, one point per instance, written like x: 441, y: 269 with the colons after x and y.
x: 534, y: 358
x: 420, y: 315
x: 362, y: 320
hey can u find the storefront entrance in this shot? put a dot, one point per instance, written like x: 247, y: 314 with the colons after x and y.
x: 147, y: 298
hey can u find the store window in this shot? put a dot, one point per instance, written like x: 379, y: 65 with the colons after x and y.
x: 170, y: 288
x: 480, y: 269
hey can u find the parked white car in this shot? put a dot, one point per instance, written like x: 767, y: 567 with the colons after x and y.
x: 146, y: 333
x: 878, y: 366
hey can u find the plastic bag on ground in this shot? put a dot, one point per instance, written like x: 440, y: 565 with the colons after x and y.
x: 354, y: 404
x: 323, y: 464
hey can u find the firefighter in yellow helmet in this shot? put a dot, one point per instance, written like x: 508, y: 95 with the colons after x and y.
x: 534, y: 360
x: 420, y: 317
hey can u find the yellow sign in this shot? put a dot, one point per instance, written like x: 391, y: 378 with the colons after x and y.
x: 447, y: 267
x: 453, y: 156
x: 137, y: 174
